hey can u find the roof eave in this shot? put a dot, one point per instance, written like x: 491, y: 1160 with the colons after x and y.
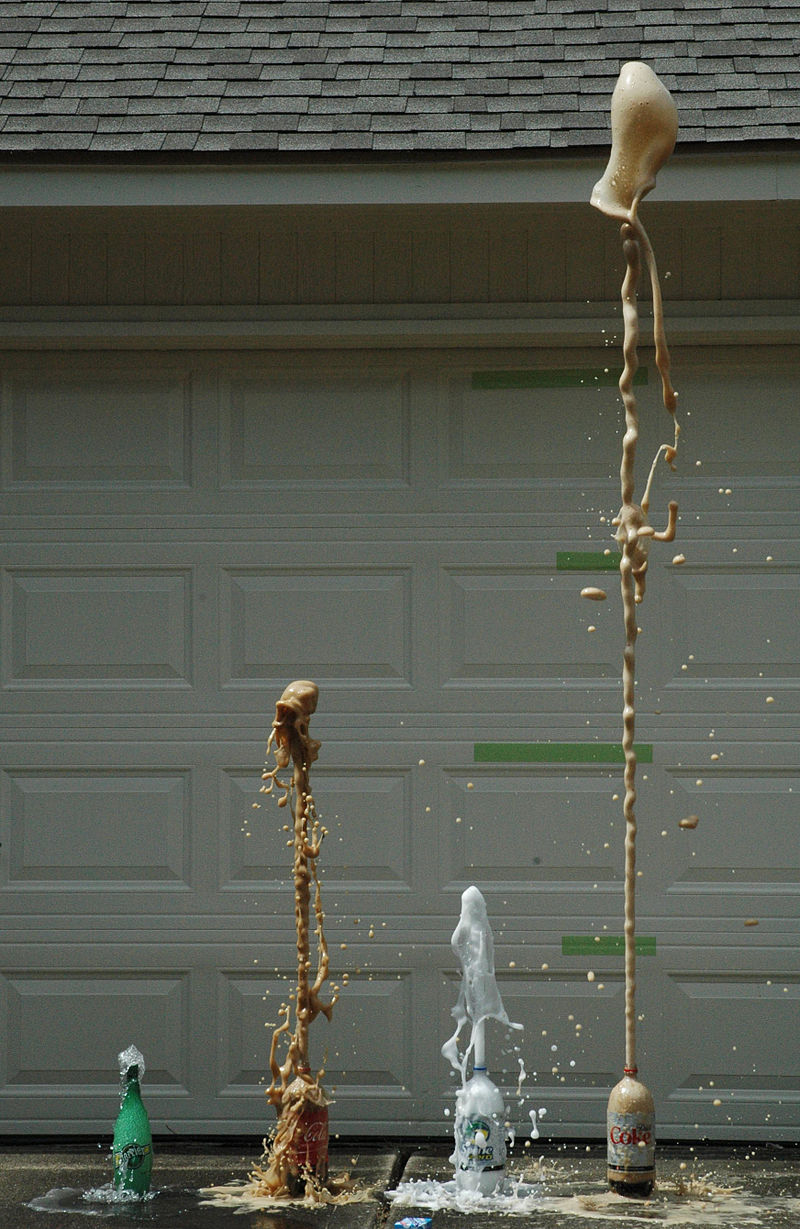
x: 733, y: 171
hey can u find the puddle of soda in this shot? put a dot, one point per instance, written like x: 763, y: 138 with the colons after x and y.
x: 108, y: 1202
x: 710, y: 1209
x: 559, y: 1192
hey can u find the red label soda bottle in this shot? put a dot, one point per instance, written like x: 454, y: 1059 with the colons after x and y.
x: 307, y: 1149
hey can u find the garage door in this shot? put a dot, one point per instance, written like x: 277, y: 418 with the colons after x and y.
x: 187, y: 533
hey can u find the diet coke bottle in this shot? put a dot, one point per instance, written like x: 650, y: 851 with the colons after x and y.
x: 631, y: 1138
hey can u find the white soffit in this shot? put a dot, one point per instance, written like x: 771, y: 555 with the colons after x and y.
x: 687, y: 177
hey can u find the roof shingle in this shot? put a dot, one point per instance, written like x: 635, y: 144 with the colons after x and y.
x: 400, y: 75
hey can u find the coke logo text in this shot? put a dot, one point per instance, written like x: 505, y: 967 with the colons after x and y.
x: 629, y: 1136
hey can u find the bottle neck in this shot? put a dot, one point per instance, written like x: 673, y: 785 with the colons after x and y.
x: 131, y: 1088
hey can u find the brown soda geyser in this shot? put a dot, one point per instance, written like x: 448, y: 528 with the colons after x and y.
x: 644, y: 126
x: 298, y: 1159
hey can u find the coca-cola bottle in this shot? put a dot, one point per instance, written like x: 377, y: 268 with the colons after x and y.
x: 631, y: 1138
x: 307, y: 1147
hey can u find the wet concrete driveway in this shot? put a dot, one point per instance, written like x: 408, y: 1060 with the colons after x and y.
x: 706, y: 1187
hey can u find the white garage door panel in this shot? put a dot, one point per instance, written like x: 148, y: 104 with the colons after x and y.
x: 748, y: 840
x: 740, y: 626
x: 187, y: 533
x: 89, y: 830
x: 339, y: 623
x: 280, y: 430
x: 520, y: 831
x: 709, y: 1013
x: 737, y: 412
x: 501, y: 621
x: 80, y: 427
x: 499, y: 434
x: 89, y: 1007
x: 119, y: 628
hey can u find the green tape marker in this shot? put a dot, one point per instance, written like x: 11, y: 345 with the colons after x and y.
x: 553, y: 377
x: 558, y: 753
x: 587, y: 561
x: 605, y: 945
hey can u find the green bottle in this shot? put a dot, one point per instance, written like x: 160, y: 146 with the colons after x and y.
x: 133, y: 1143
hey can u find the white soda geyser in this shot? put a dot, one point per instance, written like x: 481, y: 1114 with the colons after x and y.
x: 480, y: 1129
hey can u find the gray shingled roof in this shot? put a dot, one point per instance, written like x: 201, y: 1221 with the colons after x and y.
x: 237, y: 76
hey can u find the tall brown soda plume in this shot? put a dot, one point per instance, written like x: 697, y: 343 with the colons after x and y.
x: 644, y: 127
x: 298, y: 1156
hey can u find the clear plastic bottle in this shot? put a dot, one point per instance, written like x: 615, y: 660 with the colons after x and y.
x: 480, y: 1135
x: 631, y: 1138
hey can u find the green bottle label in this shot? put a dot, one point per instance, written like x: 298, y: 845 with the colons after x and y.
x: 132, y: 1156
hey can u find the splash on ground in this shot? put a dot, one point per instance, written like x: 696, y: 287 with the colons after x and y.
x: 511, y: 1196
x: 250, y: 1195
x: 723, y: 1211
x: 99, y: 1201
x: 689, y: 1201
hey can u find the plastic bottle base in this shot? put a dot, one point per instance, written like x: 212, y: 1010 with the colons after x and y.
x: 480, y: 1181
x: 632, y: 1190
x: 296, y: 1180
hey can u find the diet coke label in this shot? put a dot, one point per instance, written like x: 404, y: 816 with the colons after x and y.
x: 631, y: 1141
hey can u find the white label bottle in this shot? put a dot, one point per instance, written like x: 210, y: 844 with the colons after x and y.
x: 631, y: 1138
x: 480, y: 1135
